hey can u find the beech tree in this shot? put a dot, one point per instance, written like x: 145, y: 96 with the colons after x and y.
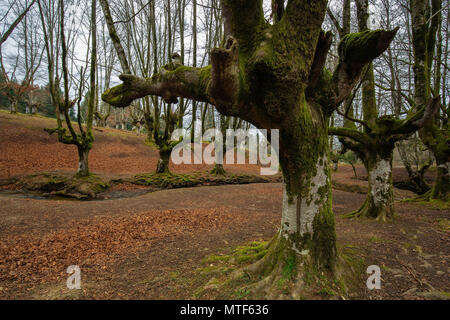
x: 375, y: 143
x: 426, y: 21
x: 273, y: 76
x: 83, y: 139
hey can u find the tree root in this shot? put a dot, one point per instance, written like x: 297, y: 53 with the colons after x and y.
x: 218, y: 170
x: 371, y: 212
x: 284, y: 273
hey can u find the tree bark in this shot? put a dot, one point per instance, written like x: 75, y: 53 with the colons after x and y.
x: 379, y: 203
x: 163, y: 162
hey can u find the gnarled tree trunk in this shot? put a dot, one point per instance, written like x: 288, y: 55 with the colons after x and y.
x: 379, y: 203
x: 273, y: 76
x: 164, y: 161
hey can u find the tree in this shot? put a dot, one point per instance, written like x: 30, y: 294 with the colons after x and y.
x: 426, y: 21
x: 26, y: 62
x: 376, y: 143
x: 273, y: 76
x: 85, y: 138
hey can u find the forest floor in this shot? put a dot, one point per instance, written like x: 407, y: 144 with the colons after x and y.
x: 159, y: 245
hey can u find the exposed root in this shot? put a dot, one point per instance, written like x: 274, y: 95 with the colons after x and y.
x: 218, y: 170
x: 367, y: 210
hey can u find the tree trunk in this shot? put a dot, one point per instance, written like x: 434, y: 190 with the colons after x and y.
x: 14, y: 106
x: 441, y: 188
x: 379, y: 203
x: 307, y: 215
x: 163, y: 162
x: 218, y: 169
x: 83, y: 162
x: 306, y: 243
x: 274, y: 78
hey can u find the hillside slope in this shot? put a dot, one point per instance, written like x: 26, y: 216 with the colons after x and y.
x: 26, y: 148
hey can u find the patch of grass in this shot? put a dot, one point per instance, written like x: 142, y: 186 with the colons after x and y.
x: 216, y: 274
x: 173, y: 180
x: 375, y: 239
x: 166, y: 180
x: 241, y: 294
x: 443, y: 224
x: 436, y: 204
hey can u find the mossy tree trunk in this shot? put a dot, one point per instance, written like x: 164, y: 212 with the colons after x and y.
x: 375, y: 143
x: 273, y: 76
x: 83, y: 162
x: 164, y: 161
x: 83, y: 139
x: 14, y: 108
x: 375, y: 147
x: 441, y: 187
x: 379, y: 203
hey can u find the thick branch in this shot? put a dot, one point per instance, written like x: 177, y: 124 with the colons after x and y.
x: 184, y: 82
x: 323, y: 46
x: 224, y: 87
x: 305, y: 16
x: 348, y: 133
x: 355, y: 52
x: 242, y: 20
x: 420, y: 118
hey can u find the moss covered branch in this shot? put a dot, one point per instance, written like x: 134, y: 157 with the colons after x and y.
x: 185, y: 82
x: 356, y: 50
x: 348, y: 133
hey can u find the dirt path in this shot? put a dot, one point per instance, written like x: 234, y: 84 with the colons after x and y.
x: 150, y: 246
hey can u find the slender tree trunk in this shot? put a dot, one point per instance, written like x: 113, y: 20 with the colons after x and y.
x: 83, y: 162
x: 164, y: 160
x: 14, y: 106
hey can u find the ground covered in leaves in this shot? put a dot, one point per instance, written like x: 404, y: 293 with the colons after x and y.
x: 169, y: 244
x: 184, y: 243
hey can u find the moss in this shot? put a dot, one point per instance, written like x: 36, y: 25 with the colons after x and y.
x: 433, y: 203
x: 82, y: 188
x: 360, y: 46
